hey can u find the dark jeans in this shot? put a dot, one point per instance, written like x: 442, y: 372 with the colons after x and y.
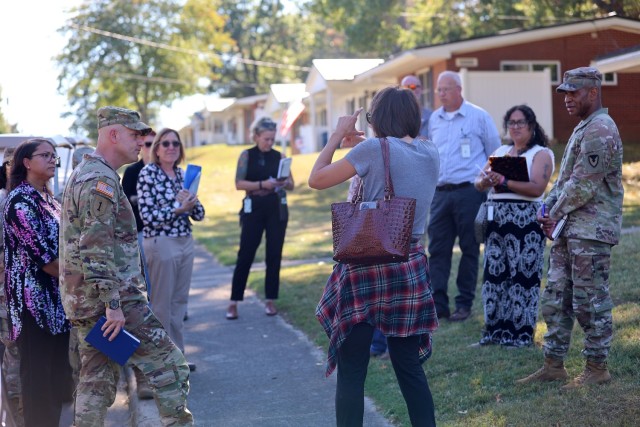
x: 452, y: 215
x: 353, y: 361
x: 45, y: 373
x: 265, y: 216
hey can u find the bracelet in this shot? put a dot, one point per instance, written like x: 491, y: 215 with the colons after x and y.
x: 504, y: 183
x: 259, y: 185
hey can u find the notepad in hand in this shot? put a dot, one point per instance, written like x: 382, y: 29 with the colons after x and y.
x: 558, y: 229
x: 284, y: 168
x: 120, y: 349
x: 192, y: 178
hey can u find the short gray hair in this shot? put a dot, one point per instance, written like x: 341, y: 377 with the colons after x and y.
x: 452, y: 75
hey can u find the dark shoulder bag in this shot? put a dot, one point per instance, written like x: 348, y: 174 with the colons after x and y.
x: 374, y: 232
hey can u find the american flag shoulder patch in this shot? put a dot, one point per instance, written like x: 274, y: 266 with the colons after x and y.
x: 105, y: 189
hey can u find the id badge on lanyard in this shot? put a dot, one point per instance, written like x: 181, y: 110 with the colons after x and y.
x: 465, y: 146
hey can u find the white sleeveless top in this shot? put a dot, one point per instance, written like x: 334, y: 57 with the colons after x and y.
x: 529, y: 155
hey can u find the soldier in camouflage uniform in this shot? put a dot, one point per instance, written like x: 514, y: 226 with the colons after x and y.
x: 589, y: 192
x: 101, y: 275
x: 11, y: 357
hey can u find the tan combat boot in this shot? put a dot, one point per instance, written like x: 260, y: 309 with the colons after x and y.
x: 594, y: 373
x: 552, y: 370
x: 143, y: 389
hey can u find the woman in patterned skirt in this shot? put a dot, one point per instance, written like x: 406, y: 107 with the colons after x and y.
x: 514, y: 242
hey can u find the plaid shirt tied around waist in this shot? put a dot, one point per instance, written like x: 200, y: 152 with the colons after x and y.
x: 396, y: 298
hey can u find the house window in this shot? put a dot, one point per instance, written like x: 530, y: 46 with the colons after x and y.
x: 351, y: 106
x: 322, y: 117
x: 218, y: 126
x: 426, y: 79
x: 554, y: 66
x: 610, y: 79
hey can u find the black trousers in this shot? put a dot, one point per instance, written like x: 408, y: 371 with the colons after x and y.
x: 269, y: 217
x: 453, y: 214
x: 45, y: 373
x: 353, y: 361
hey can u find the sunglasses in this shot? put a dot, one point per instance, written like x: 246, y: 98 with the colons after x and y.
x: 148, y: 144
x: 267, y: 125
x: 412, y: 86
x: 166, y: 144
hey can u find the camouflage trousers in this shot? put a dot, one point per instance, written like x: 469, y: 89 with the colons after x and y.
x: 578, y: 288
x: 162, y: 363
x: 11, y: 374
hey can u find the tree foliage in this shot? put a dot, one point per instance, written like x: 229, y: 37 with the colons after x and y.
x: 5, y: 127
x: 101, y: 68
x: 382, y: 27
x: 264, y: 34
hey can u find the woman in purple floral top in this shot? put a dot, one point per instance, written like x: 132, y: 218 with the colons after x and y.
x: 36, y: 317
x: 166, y: 210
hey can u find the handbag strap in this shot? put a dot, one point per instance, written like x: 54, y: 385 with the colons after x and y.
x: 388, y: 183
x: 389, y: 192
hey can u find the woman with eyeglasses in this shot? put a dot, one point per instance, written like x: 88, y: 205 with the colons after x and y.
x: 166, y: 210
x: 264, y: 211
x: 514, y: 242
x: 395, y: 297
x: 36, y: 317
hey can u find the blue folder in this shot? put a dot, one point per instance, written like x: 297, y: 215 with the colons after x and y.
x: 192, y: 178
x: 120, y: 349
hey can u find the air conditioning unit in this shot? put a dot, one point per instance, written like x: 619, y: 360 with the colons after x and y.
x: 466, y: 62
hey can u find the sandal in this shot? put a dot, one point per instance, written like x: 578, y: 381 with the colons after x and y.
x: 232, y: 312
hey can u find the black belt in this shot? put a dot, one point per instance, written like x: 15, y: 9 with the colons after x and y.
x: 451, y: 187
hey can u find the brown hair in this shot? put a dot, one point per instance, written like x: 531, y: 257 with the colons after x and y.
x: 25, y: 150
x: 395, y: 112
x: 156, y: 144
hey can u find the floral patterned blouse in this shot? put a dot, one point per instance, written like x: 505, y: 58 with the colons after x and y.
x: 30, y: 234
x: 156, y: 201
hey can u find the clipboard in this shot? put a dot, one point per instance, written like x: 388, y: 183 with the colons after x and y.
x: 284, y: 168
x: 513, y: 168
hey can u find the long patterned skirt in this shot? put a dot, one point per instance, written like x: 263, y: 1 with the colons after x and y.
x: 513, y: 261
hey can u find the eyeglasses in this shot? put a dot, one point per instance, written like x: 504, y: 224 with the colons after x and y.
x: 412, y: 86
x: 47, y: 156
x: 516, y: 124
x: 148, y: 144
x: 444, y: 89
x: 368, y: 116
x: 166, y: 144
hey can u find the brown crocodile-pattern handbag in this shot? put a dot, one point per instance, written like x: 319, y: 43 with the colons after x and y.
x: 375, y: 232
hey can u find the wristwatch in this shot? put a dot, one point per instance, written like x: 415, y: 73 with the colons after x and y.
x: 114, y: 304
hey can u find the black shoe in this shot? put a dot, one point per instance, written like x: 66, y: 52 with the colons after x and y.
x: 460, y: 315
x: 186, y: 317
x: 442, y: 314
x: 192, y: 366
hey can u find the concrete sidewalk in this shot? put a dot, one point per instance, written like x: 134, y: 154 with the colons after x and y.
x: 254, y: 371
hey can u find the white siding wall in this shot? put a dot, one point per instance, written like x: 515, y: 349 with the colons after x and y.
x: 497, y: 91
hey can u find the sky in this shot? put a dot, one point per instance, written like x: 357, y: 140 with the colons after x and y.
x: 28, y: 75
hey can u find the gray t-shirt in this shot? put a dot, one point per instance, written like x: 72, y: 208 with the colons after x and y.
x: 414, y: 171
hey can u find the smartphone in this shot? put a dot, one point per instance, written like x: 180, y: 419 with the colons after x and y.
x: 368, y: 205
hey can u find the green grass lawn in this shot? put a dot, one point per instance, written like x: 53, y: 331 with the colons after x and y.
x: 470, y: 386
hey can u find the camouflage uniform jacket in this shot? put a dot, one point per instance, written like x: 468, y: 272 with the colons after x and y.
x: 99, y: 254
x: 589, y: 185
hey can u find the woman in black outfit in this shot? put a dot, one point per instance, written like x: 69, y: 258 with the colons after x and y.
x: 264, y: 210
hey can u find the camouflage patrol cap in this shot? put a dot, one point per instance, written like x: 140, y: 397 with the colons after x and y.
x: 580, y: 77
x: 7, y: 155
x: 121, y: 116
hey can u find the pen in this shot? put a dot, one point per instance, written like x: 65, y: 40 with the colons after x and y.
x: 481, y: 170
x: 543, y: 209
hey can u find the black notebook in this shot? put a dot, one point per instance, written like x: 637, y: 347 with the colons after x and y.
x: 120, y: 349
x: 513, y: 168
